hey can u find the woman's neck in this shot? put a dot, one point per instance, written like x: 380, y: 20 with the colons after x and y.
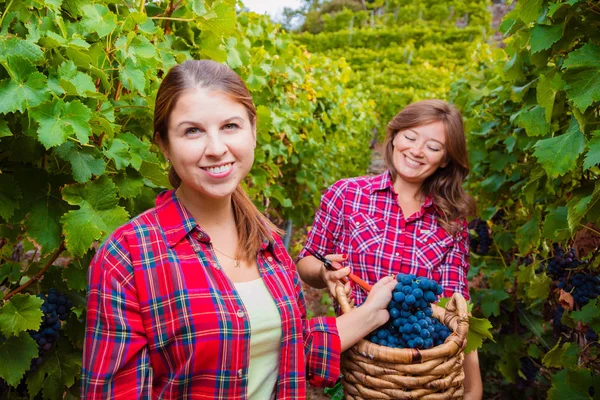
x: 406, y: 191
x: 209, y: 213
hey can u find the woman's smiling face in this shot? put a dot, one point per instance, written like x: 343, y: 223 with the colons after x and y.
x: 211, y: 142
x: 419, y: 152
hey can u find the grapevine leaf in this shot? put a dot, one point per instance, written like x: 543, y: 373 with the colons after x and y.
x: 99, y: 19
x: 118, y: 151
x: 132, y: 77
x: 98, y: 215
x: 534, y: 122
x: 75, y: 330
x: 84, y: 161
x: 588, y: 314
x: 75, y: 278
x: 583, y: 87
x: 233, y: 55
x: 538, y: 284
x: 129, y: 183
x: 10, y: 270
x: 558, y: 155
x: 529, y: 10
x: 57, y: 371
x: 10, y: 194
x: 545, y: 95
x: 58, y: 120
x: 490, y: 301
x: 20, y: 313
x: 528, y: 235
x: 155, y: 174
x: 138, y: 150
x: 553, y: 358
x: 198, y: 7
x: 479, y: 328
x: 592, y: 157
x: 556, y: 226
x: 4, y: 129
x: 587, y: 56
x: 17, y: 47
x: 544, y: 36
x: 16, y: 354
x: 26, y: 89
x: 75, y: 82
x: 580, y: 204
x: 43, y: 223
x: 573, y: 384
x: 221, y: 19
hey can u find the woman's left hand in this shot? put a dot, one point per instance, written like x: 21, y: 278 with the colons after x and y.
x: 379, y: 298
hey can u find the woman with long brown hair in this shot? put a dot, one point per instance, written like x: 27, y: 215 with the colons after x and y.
x: 197, y: 297
x: 412, y: 219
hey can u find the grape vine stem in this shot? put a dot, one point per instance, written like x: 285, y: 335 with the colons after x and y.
x: 39, y: 275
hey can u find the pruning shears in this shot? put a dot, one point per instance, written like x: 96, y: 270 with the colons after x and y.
x: 332, y: 267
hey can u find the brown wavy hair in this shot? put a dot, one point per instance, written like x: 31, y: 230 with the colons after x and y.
x: 445, y: 184
x: 252, y: 226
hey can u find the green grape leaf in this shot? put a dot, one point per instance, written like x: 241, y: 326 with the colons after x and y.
x: 58, y: 371
x: 17, y: 47
x: 529, y: 10
x: 10, y: 194
x: 583, y: 87
x: 98, y: 19
x: 556, y: 225
x: 85, y: 162
x: 490, y: 301
x: 20, y: 313
x: 212, y: 46
x: 588, y: 314
x: 16, y: 354
x: 221, y: 19
x: 233, y: 55
x: 538, y: 285
x: 545, y: 95
x: 592, y: 156
x: 534, y: 122
x: 75, y: 82
x: 132, y: 77
x: 118, y: 151
x: 554, y: 357
x: 139, y: 150
x: 129, y: 182
x: 544, y: 36
x: 43, y: 223
x: 10, y: 270
x: 75, y: 278
x: 558, y: 155
x: 155, y: 174
x: 99, y: 213
x: 587, y: 56
x: 27, y: 88
x: 479, y: 329
x: 528, y: 235
x: 4, y: 129
x: 198, y: 7
x: 75, y: 330
x: 580, y: 204
x: 573, y: 384
x: 59, y: 120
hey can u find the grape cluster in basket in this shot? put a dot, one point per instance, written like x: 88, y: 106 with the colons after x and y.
x: 411, y: 323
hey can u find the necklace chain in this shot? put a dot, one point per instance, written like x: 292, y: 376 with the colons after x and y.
x: 236, y: 261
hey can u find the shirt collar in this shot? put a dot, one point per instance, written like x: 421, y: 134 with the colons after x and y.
x: 380, y: 182
x: 177, y: 222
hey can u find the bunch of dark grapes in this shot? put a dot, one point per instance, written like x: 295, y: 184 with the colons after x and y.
x: 411, y: 324
x: 498, y: 217
x: 56, y: 308
x: 562, y: 263
x: 481, y: 242
x: 558, y: 328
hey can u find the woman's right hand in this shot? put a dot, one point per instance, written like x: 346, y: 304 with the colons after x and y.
x: 334, y: 278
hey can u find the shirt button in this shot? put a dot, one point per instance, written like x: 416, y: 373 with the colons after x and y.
x: 240, y: 313
x: 240, y: 373
x: 357, y: 223
x: 397, y: 254
x: 270, y: 258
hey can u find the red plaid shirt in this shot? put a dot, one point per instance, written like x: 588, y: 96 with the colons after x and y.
x: 165, y: 322
x: 361, y: 217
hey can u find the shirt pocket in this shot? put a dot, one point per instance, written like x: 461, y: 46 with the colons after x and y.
x: 431, y: 248
x: 366, y: 232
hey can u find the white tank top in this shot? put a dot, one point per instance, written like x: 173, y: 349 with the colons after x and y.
x: 265, y: 338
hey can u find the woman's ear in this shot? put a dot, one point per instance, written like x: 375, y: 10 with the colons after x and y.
x: 162, y: 145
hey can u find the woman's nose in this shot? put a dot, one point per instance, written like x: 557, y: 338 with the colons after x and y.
x: 215, y: 145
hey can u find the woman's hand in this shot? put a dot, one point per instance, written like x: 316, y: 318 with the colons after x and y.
x: 379, y: 298
x: 333, y: 278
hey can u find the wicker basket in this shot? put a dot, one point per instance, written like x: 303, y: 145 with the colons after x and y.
x: 371, y: 371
